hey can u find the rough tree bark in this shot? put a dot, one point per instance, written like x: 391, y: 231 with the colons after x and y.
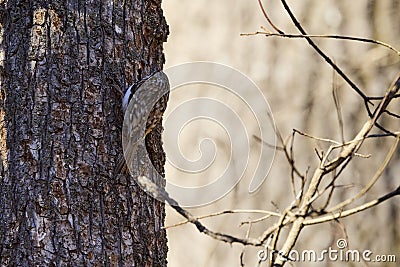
x: 63, y: 67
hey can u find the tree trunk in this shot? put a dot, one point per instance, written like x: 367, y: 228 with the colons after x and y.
x: 63, y: 67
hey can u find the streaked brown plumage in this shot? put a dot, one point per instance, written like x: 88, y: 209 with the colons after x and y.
x: 144, y: 104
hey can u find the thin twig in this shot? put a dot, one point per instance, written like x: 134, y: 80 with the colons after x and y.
x: 279, y: 227
x: 256, y: 220
x: 319, y: 138
x: 338, y: 107
x: 292, y: 171
x: 327, y: 36
x: 392, y: 114
x: 258, y: 139
x: 342, y: 214
x: 283, y: 148
x: 268, y: 213
x: 268, y: 19
x: 381, y: 97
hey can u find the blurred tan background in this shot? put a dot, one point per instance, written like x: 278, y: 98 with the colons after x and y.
x: 298, y: 85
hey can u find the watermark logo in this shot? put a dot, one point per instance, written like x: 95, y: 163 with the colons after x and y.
x: 342, y: 254
x: 341, y: 243
x: 227, y: 89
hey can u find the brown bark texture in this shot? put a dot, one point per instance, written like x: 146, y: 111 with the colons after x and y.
x: 63, y: 67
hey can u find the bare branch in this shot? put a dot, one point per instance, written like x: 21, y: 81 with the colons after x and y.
x: 371, y: 182
x: 159, y: 193
x: 327, y: 167
x: 323, y: 55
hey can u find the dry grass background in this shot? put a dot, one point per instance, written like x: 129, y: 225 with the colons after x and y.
x: 298, y: 86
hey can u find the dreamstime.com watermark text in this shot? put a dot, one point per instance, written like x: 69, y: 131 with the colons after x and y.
x: 341, y: 254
